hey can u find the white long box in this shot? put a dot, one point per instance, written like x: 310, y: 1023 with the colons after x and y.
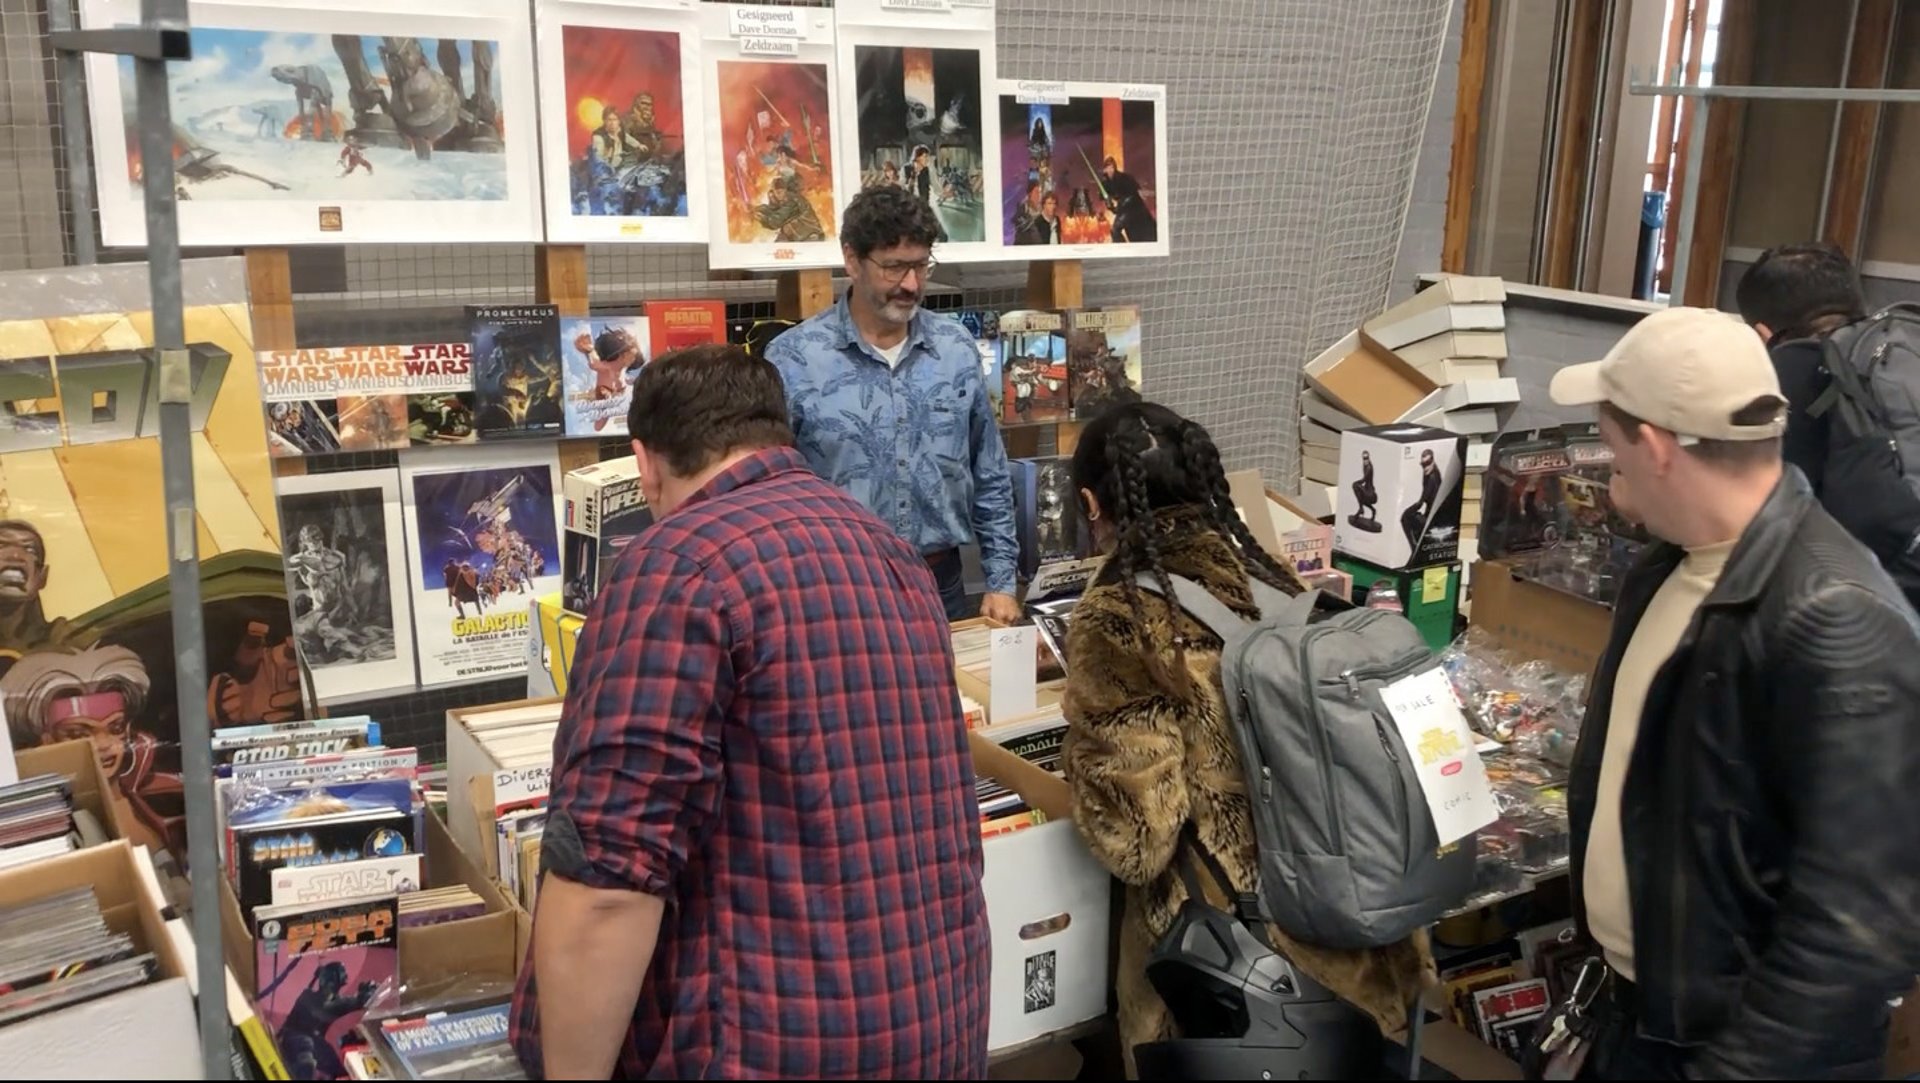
x: 1049, y: 905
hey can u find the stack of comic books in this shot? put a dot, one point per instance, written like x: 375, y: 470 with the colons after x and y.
x: 36, y: 820
x: 57, y: 951
x: 322, y: 828
x: 1036, y: 738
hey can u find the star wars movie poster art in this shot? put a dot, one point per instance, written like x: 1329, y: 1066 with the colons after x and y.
x: 518, y: 379
x: 303, y: 125
x: 1083, y: 167
x: 86, y: 635
x: 347, y: 581
x: 602, y: 357
x: 619, y: 85
x: 922, y: 85
x: 770, y: 138
x: 483, y: 532
x: 367, y: 398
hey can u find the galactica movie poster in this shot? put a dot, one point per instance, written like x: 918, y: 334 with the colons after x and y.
x: 483, y: 532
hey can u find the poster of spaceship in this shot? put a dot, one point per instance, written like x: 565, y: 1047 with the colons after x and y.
x: 771, y: 151
x: 1085, y: 179
x: 342, y: 123
x: 926, y: 120
x: 620, y: 104
x: 484, y: 527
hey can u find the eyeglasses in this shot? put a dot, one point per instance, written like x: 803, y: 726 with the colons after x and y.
x: 896, y: 272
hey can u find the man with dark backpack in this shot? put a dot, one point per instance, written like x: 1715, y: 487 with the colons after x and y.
x: 1852, y: 384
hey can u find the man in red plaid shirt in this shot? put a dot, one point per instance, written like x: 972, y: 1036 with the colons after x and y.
x: 762, y: 857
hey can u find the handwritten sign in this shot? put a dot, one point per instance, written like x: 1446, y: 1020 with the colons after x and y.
x: 520, y: 784
x: 1013, y: 664
x: 1445, y: 759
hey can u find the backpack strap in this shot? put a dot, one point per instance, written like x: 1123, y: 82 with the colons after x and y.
x: 1222, y: 621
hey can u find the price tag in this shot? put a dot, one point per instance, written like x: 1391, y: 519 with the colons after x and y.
x: 1445, y: 760
x: 760, y: 20
x: 1013, y: 663
x: 1040, y: 92
x: 1433, y: 585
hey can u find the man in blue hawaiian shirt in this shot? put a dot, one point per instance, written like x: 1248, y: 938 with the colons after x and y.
x: 889, y: 402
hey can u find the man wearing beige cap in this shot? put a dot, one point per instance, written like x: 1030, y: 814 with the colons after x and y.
x: 1745, y: 798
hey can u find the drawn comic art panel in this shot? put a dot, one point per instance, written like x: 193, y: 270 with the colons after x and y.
x: 775, y: 200
x: 322, y: 125
x: 622, y: 157
x: 1083, y: 169
x: 1103, y: 357
x: 926, y: 122
x: 483, y: 531
x: 86, y: 633
x: 1033, y: 366
x: 345, y: 553
x: 602, y: 357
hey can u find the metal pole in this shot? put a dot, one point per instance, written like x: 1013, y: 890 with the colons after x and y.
x: 183, y: 566
x: 1833, y: 138
x: 74, y: 136
x: 1883, y: 95
x: 1689, y: 203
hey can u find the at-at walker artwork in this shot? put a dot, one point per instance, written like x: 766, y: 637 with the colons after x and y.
x: 271, y: 115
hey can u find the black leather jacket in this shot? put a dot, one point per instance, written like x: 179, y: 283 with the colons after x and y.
x: 1771, y: 812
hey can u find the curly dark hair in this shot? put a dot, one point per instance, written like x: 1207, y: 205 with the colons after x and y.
x: 886, y: 215
x: 1140, y: 459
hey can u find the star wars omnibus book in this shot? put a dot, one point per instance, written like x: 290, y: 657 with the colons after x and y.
x: 317, y: 971
x: 1103, y: 358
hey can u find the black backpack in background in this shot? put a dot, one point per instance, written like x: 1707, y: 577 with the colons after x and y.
x: 1872, y: 482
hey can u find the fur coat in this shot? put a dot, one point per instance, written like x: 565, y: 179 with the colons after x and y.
x: 1141, y: 763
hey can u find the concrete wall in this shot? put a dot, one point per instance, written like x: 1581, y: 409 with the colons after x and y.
x: 1545, y: 335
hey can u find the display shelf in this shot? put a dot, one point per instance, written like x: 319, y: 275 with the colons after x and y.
x: 1528, y: 883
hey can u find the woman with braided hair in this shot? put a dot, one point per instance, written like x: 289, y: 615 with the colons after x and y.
x: 1149, y: 746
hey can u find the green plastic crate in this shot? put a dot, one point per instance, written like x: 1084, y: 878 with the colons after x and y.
x: 1431, y: 595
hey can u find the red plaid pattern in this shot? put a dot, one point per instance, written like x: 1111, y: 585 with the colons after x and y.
x: 763, y: 729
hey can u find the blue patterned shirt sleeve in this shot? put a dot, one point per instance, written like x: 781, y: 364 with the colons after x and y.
x: 916, y: 443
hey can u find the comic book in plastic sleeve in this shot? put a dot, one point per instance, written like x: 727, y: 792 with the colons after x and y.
x: 317, y: 972
x: 464, y: 1044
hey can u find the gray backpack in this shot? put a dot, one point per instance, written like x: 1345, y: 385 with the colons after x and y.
x: 1349, y: 856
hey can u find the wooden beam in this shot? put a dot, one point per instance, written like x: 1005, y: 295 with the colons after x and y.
x: 799, y: 294
x: 1055, y: 284
x: 1567, y: 184
x: 1476, y: 32
x: 1686, y: 110
x: 270, y: 299
x: 560, y: 277
x: 1733, y: 66
x: 1668, y: 110
x: 1858, y: 139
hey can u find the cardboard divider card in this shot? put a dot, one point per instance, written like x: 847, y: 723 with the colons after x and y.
x: 1014, y: 665
x: 1449, y: 769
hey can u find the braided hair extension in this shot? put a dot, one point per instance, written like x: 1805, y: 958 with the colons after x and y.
x: 1137, y: 547
x: 1208, y: 475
